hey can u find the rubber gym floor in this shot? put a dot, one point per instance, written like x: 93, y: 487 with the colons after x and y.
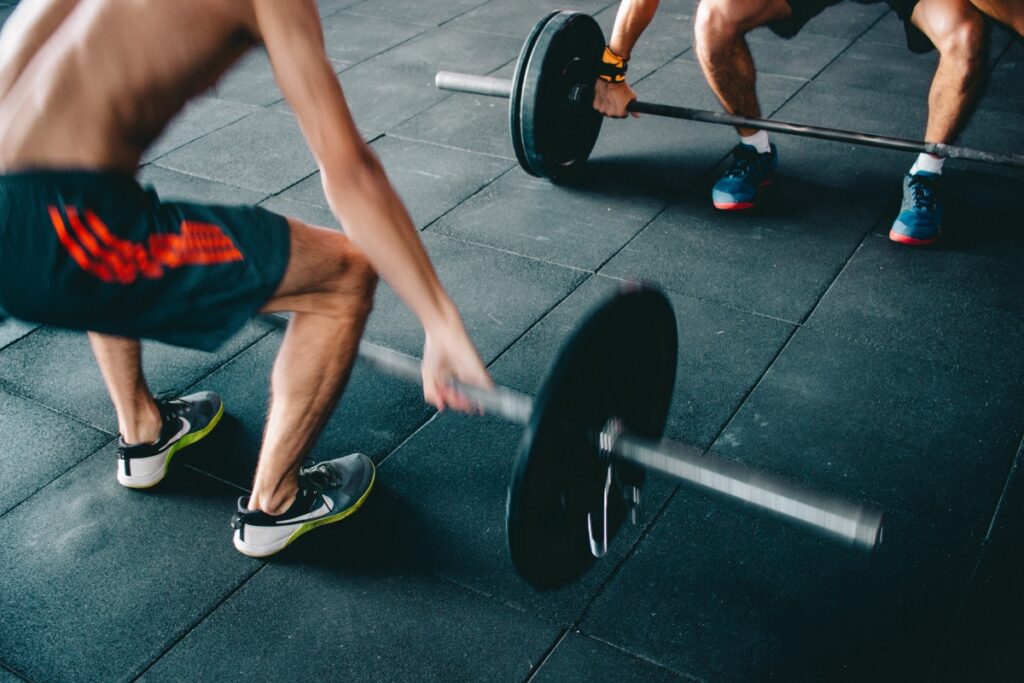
x: 810, y: 347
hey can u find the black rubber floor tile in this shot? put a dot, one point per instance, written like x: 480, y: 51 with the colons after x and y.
x: 376, y: 413
x: 722, y: 592
x: 580, y: 226
x: 329, y: 7
x: 432, y: 13
x: 431, y: 180
x: 846, y: 20
x: 836, y: 106
x: 579, y: 657
x: 802, y: 56
x: 99, y: 580
x: 1003, y: 91
x: 316, y: 215
x: 984, y: 642
x: 722, y: 354
x: 500, y: 296
x: 517, y: 18
x: 996, y: 131
x: 397, y: 85
x: 264, y: 152
x: 889, y: 426
x: 777, y: 261
x: 56, y: 368
x: 251, y: 81
x: 444, y: 493
x: 5, y: 675
x: 175, y: 186
x: 37, y: 445
x: 658, y: 153
x: 883, y: 70
x: 946, y: 306
x: 331, y: 619
x: 471, y: 122
x: 350, y: 38
x: 12, y: 330
x: 202, y: 116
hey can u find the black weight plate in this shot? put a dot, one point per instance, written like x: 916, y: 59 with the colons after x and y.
x: 517, y: 89
x: 621, y: 362
x: 557, y: 135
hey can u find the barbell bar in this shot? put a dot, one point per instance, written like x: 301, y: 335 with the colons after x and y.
x: 855, y: 524
x: 553, y: 91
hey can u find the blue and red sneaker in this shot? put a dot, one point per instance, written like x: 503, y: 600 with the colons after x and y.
x: 920, y: 218
x: 751, y: 171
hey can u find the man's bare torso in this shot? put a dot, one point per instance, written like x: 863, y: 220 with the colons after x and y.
x: 91, y: 83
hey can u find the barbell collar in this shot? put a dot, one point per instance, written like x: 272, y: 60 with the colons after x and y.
x: 855, y: 524
x: 581, y: 94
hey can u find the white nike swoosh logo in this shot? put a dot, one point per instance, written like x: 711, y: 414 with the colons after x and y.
x: 186, y: 426
x: 319, y: 512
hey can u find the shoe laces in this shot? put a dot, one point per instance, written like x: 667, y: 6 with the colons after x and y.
x: 923, y: 190
x: 744, y: 160
x: 320, y: 477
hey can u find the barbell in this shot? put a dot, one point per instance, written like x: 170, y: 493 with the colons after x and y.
x: 594, y: 430
x: 554, y: 126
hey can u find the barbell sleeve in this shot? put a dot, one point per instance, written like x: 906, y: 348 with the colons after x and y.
x: 581, y: 95
x: 857, y: 525
x: 487, y: 86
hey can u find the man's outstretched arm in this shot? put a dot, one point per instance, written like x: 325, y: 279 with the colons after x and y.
x: 359, y: 192
x: 611, y: 99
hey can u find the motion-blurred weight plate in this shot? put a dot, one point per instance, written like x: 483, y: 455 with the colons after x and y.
x: 620, y: 363
x: 552, y: 135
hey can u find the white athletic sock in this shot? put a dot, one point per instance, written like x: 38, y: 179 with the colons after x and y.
x: 927, y: 163
x: 758, y: 141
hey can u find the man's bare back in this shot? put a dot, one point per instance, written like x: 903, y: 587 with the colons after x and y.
x: 91, y: 83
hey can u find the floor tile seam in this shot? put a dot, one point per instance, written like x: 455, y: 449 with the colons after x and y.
x: 206, y: 375
x: 409, y: 138
x: 265, y: 193
x: 447, y: 95
x: 492, y: 597
x: 951, y: 629
x: 5, y: 666
x: 374, y: 56
x: 18, y: 339
x: 711, y: 300
x: 468, y: 197
x: 188, y: 630
x: 58, y: 476
x: 153, y: 162
x: 647, y: 660
x: 219, y: 480
x: 501, y: 250
x: 884, y: 208
x: 535, y: 669
x: 7, y: 387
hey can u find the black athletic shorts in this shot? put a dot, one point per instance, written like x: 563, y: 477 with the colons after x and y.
x: 805, y: 10
x: 96, y: 251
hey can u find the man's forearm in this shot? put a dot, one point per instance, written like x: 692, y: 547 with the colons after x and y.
x: 631, y: 20
x: 377, y: 222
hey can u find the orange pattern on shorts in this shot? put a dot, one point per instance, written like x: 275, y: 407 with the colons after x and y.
x: 112, y: 259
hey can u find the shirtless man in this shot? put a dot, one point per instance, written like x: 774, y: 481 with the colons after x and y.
x: 954, y: 27
x: 85, y: 86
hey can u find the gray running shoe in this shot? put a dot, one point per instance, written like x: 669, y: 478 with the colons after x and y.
x: 186, y: 420
x: 328, y: 492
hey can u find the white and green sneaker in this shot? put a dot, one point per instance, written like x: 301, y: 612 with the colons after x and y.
x: 328, y: 492
x: 186, y: 420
